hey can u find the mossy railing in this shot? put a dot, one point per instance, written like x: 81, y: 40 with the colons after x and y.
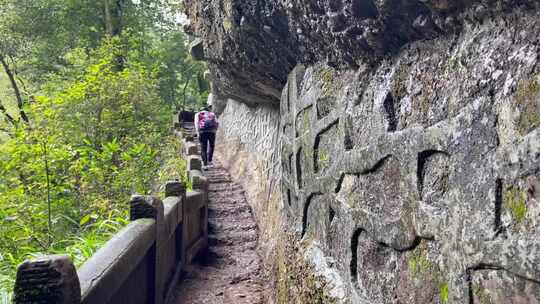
x: 140, y: 264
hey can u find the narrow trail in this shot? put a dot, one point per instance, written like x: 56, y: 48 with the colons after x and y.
x: 231, y: 271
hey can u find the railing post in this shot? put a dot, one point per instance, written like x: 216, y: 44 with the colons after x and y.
x: 190, y: 148
x: 152, y: 207
x: 194, y: 163
x: 51, y: 279
x: 176, y: 190
x: 199, y: 182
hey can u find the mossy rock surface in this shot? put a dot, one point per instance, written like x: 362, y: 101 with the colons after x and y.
x: 528, y: 102
x: 296, y: 282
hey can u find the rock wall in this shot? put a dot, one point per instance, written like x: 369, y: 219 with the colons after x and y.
x: 410, y: 178
x: 246, y: 144
x: 252, y: 45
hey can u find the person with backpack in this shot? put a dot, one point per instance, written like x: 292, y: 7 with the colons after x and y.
x: 206, y: 125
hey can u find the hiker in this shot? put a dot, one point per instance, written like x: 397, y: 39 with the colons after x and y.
x: 206, y: 125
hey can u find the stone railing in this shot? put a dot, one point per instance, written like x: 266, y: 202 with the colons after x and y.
x: 140, y: 264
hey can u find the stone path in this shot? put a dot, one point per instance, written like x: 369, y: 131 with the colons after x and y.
x: 231, y: 270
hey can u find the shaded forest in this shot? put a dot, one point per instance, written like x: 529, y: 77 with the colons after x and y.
x: 87, y: 91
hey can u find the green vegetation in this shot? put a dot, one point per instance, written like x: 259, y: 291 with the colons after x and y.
x: 227, y: 24
x: 87, y: 91
x: 528, y: 99
x: 419, y: 264
x: 444, y: 292
x: 516, y: 202
x: 295, y: 281
x: 172, y: 166
x: 327, y: 75
x: 481, y: 294
x: 324, y: 157
x: 426, y: 273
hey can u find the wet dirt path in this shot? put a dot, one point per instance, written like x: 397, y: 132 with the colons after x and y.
x: 231, y: 271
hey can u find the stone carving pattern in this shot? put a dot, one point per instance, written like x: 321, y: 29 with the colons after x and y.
x: 381, y: 192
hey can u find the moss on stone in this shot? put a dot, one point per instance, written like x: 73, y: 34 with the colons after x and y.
x: 327, y: 76
x: 516, y: 202
x: 227, y: 24
x: 444, y: 292
x: 481, y: 295
x: 228, y: 8
x: 419, y: 264
x: 426, y: 274
x: 324, y: 157
x: 295, y: 279
x: 399, y: 89
x: 528, y: 101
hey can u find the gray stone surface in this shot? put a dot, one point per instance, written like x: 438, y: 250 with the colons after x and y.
x: 121, y: 270
x: 253, y: 45
x: 175, y: 188
x: 416, y: 178
x: 143, y: 206
x: 196, y: 49
x: 194, y: 162
x: 448, y: 169
x: 51, y: 279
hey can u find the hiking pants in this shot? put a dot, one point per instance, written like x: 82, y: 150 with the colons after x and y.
x: 208, y: 141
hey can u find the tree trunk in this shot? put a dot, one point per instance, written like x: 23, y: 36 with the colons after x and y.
x: 49, y: 203
x: 15, y: 87
x: 184, y: 93
x: 114, y: 16
x: 119, y: 14
x: 109, y: 27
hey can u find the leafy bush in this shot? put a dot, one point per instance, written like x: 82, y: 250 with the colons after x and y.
x: 98, y: 135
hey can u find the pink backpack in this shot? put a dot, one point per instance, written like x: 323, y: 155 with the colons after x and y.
x: 207, y: 121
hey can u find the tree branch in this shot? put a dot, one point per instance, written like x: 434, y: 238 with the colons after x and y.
x: 16, y: 73
x: 15, y: 87
x: 8, y: 117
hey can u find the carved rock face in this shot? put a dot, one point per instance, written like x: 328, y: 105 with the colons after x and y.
x: 407, y: 165
x: 400, y: 175
x: 253, y: 45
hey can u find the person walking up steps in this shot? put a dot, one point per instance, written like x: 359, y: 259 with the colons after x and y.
x: 206, y: 125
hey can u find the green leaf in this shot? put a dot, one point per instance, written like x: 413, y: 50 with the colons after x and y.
x: 85, y: 220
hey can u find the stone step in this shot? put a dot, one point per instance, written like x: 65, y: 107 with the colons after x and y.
x: 234, y: 200
x: 228, y: 213
x: 224, y: 187
x: 231, y: 238
x: 216, y: 173
x: 220, y: 180
x: 229, y: 208
x: 215, y: 225
x: 219, y: 195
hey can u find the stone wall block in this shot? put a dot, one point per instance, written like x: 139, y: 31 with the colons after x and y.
x: 195, y: 224
x: 175, y: 188
x: 145, y: 207
x: 191, y: 149
x: 51, y: 279
x: 194, y: 163
x: 152, y: 207
x: 187, y: 135
x: 199, y: 181
x: 197, y: 49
